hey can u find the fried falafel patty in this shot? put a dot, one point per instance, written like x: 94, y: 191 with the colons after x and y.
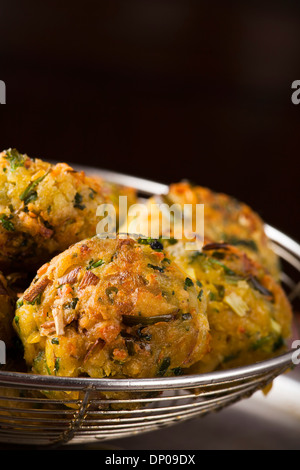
x: 248, y: 312
x: 112, y: 308
x: 45, y: 208
x: 228, y: 220
x: 7, y: 307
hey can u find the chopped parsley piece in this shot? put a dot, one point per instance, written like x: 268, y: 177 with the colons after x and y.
x: 226, y: 269
x: 56, y: 367
x: 78, y: 202
x: 221, y: 291
x: 156, y: 245
x: 261, y: 342
x: 212, y: 296
x: 200, y: 295
x: 94, y: 264
x: 55, y: 341
x: 156, y: 268
x: 188, y: 283
x: 6, y: 222
x: 30, y: 195
x: 164, y: 366
x: 15, y: 159
x: 92, y: 193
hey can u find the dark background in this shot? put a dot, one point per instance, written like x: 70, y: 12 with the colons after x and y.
x: 160, y: 89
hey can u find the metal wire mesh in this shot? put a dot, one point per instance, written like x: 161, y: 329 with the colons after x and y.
x: 102, y: 409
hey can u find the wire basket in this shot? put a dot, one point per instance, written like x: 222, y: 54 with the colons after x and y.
x: 94, y: 410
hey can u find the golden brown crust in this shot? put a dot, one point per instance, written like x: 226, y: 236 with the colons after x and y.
x: 229, y: 220
x: 128, y: 312
x: 45, y: 208
x: 248, y: 312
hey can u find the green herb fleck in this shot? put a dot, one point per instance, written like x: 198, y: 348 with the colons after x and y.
x: 94, y: 264
x: 30, y: 195
x: 188, y: 283
x: 213, y: 296
x: 200, y: 295
x: 57, y: 364
x: 164, y: 366
x: 78, y: 202
x: 177, y: 371
x: 6, y: 222
x: 15, y: 159
x: 221, y: 291
x: 261, y: 342
x: 55, y: 341
x: 279, y: 343
x: 226, y: 269
x: 92, y: 193
x: 156, y: 268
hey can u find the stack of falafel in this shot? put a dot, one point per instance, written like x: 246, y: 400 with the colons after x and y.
x: 85, y: 305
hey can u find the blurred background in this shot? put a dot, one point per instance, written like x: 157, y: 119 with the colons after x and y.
x: 160, y: 89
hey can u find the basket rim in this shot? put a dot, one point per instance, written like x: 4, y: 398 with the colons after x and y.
x: 283, y: 361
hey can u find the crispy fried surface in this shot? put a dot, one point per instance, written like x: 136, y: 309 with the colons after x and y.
x: 45, y: 208
x: 112, y: 308
x: 229, y: 220
x: 248, y: 312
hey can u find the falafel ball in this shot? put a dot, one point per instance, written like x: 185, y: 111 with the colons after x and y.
x: 45, y: 208
x: 111, y: 307
x: 248, y: 312
x: 228, y: 220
